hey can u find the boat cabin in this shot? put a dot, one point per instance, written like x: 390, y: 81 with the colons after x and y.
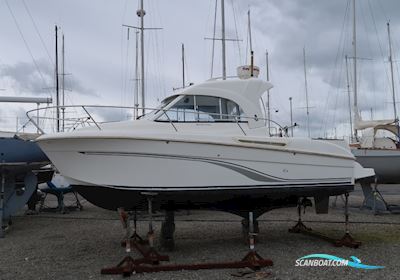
x: 236, y: 100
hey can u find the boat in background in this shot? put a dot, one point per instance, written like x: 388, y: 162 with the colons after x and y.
x: 22, y: 166
x: 378, y: 146
x: 205, y: 147
x: 378, y: 151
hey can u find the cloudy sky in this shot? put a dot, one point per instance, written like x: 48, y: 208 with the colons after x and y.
x: 100, y: 59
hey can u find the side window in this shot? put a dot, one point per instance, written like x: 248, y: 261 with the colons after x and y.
x: 184, y: 109
x: 208, y: 108
x: 230, y: 110
x: 202, y: 108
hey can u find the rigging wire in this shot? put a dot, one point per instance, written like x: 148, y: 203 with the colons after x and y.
x: 376, y: 32
x: 37, y: 31
x: 331, y: 118
x: 236, y: 30
x: 27, y: 45
x: 122, y: 73
x: 342, y: 39
x: 383, y: 10
x: 162, y: 93
x: 372, y: 81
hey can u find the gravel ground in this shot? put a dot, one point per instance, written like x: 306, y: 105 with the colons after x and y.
x: 78, y: 244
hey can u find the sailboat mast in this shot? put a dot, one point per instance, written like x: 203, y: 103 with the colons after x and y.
x: 137, y: 80
x: 63, y: 83
x: 306, y: 90
x: 291, y: 115
x: 355, y: 63
x: 391, y: 72
x: 223, y: 39
x: 141, y: 13
x: 213, y: 41
x: 57, y: 85
x: 349, y: 96
x: 183, y: 65
x: 268, y: 96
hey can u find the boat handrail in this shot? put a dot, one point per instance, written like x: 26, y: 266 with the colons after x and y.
x: 74, y: 122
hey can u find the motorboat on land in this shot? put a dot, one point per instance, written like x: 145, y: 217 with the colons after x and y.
x: 206, y: 146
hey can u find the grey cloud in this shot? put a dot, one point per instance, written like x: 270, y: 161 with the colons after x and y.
x: 25, y: 77
x: 28, y: 78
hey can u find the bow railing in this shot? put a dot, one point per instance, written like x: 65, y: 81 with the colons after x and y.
x: 73, y: 117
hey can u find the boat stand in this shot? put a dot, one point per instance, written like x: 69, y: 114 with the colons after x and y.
x: 252, y: 260
x: 151, y: 254
x: 246, y: 229
x: 299, y: 227
x: 130, y: 239
x: 347, y: 240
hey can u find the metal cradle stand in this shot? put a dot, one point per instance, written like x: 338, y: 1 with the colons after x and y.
x: 151, y: 259
x: 347, y: 240
x: 299, y: 226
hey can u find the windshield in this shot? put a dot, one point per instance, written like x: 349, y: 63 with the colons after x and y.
x: 163, y: 104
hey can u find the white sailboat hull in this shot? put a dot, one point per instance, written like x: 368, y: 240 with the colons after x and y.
x: 385, y: 162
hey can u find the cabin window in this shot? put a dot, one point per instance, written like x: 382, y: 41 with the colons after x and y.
x: 230, y: 109
x: 201, y: 108
x: 208, y: 108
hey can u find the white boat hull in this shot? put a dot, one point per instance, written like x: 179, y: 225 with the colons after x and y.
x: 117, y: 171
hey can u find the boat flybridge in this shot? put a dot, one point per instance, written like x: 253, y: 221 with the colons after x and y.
x: 207, y: 146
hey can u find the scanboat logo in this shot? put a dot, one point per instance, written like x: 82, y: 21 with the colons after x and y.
x: 330, y: 260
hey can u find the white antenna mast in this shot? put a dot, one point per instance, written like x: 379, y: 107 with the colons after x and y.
x: 249, y: 29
